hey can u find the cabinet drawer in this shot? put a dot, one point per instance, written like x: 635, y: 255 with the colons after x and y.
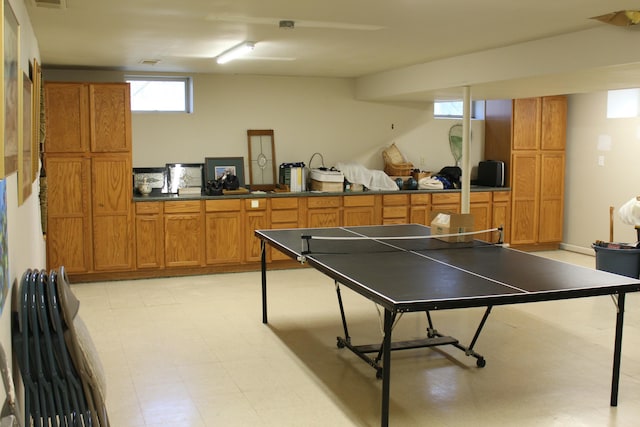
x: 323, y: 202
x: 480, y: 197
x: 181, y: 207
x: 148, y: 207
x: 284, y: 215
x: 358, y: 201
x: 395, y: 199
x: 394, y: 212
x: 255, y: 204
x: 223, y: 205
x: 445, y: 198
x: 285, y: 203
x: 501, y: 196
x: 420, y: 199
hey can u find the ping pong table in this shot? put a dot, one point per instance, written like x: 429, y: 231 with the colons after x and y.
x: 402, y: 269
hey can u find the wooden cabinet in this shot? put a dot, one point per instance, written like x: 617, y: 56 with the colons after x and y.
x: 88, y: 162
x: 223, y: 238
x: 149, y: 235
x: 446, y: 202
x: 183, y: 233
x: 501, y: 214
x: 420, y: 209
x: 480, y: 206
x: 529, y: 135
x: 395, y: 208
x: 111, y: 212
x: 68, y: 213
x: 359, y: 210
x: 255, y: 218
x: 323, y: 211
x: 285, y: 213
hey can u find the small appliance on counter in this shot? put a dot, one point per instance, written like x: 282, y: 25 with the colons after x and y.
x: 491, y: 173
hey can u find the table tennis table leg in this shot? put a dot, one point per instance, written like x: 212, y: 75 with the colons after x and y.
x: 386, y: 367
x: 347, y: 338
x: 263, y: 263
x: 617, y: 352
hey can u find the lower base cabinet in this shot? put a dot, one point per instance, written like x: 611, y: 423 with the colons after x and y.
x: 180, y: 237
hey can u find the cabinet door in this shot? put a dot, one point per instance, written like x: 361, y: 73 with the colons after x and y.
x: 525, y: 203
x: 551, y: 197
x: 223, y: 238
x: 256, y: 218
x: 149, y: 235
x: 112, y: 225
x: 69, y: 213
x: 359, y: 210
x: 501, y: 215
x: 284, y: 214
x: 323, y: 212
x: 67, y: 117
x: 526, y: 124
x: 183, y: 237
x: 149, y: 241
x: 480, y: 208
x: 554, y: 123
x: 110, y: 117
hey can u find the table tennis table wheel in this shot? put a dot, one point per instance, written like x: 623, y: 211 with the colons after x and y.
x: 480, y: 363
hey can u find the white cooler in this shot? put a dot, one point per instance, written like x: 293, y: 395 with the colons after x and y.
x: 326, y: 180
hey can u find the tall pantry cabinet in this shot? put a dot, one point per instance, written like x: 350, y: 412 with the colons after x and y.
x: 88, y: 166
x: 529, y: 135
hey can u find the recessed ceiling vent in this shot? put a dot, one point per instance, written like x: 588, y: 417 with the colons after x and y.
x: 52, y: 4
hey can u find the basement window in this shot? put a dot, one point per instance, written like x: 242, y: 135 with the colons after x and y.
x: 161, y: 94
x: 455, y: 109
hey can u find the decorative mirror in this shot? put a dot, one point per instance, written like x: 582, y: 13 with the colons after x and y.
x: 262, y: 160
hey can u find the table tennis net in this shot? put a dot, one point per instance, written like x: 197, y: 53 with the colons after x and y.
x: 350, y: 242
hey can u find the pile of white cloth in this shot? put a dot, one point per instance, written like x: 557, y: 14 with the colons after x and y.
x: 375, y: 180
x: 630, y: 212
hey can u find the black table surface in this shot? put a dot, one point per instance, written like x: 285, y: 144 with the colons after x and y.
x: 415, y: 274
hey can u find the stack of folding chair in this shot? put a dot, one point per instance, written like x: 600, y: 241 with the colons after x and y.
x: 62, y: 375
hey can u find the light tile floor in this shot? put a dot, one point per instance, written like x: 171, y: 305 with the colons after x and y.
x: 193, y: 352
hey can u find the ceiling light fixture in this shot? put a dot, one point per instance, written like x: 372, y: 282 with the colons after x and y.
x: 235, y: 52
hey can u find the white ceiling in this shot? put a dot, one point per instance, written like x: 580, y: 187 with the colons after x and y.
x: 331, y: 38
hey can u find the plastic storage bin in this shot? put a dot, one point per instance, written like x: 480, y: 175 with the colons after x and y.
x: 625, y: 262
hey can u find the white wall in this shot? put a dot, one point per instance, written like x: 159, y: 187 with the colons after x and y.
x: 590, y: 189
x: 308, y: 115
x: 26, y: 244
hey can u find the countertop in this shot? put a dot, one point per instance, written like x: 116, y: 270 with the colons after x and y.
x: 161, y: 197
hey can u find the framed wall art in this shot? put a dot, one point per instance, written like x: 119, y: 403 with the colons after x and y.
x: 156, y: 177
x: 184, y: 175
x: 262, y: 159
x: 25, y: 146
x: 36, y: 99
x: 215, y: 167
x: 10, y: 77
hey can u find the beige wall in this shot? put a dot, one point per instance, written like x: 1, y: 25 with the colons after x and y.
x: 308, y: 115
x: 24, y: 233
x: 590, y: 189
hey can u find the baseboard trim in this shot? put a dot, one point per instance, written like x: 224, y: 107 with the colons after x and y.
x: 578, y: 249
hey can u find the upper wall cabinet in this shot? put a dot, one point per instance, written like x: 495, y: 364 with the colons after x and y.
x: 88, y: 117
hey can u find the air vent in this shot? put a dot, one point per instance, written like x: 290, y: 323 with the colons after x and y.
x: 53, y: 4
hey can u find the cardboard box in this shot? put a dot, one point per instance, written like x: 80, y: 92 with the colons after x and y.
x: 450, y: 223
x: 329, y: 187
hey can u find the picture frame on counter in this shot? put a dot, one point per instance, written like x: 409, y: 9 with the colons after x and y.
x: 216, y: 167
x: 156, y: 178
x: 184, y: 175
